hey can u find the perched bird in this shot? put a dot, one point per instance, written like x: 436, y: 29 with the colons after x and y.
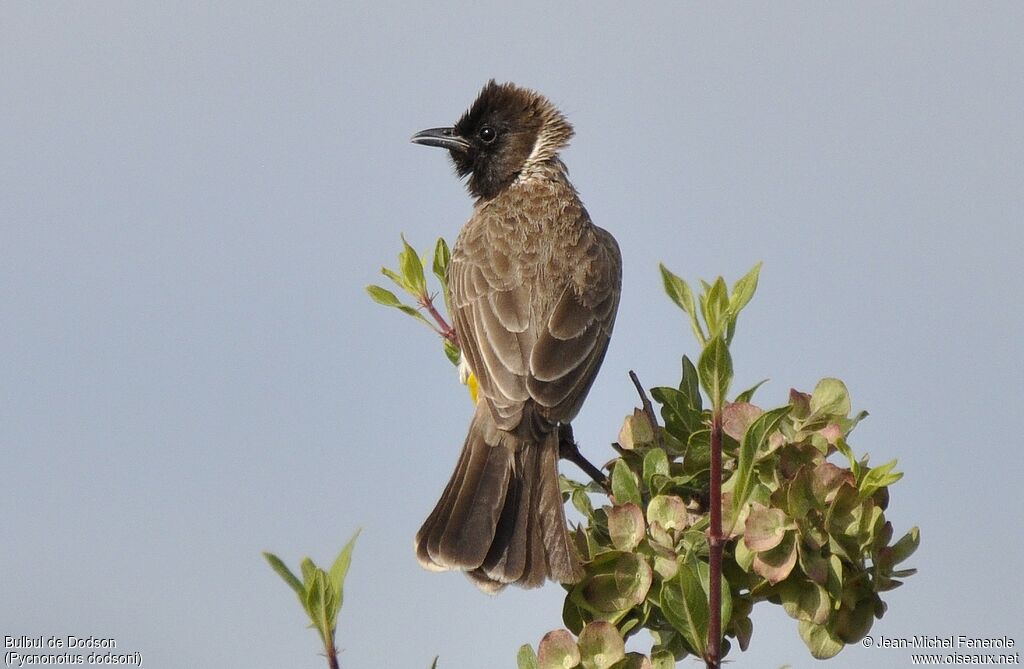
x: 534, y: 287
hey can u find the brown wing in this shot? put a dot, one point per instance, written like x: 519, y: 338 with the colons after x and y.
x: 534, y: 336
x: 573, y: 341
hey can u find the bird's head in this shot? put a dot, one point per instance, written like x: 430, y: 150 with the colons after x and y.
x: 506, y: 131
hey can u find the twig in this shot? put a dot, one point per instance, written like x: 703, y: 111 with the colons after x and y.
x: 330, y: 652
x: 569, y: 450
x: 715, y: 544
x: 648, y: 408
x: 447, y: 331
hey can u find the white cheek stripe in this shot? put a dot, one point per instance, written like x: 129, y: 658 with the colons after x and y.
x: 541, y: 153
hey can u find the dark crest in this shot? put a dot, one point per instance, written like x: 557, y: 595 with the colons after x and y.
x: 508, y: 129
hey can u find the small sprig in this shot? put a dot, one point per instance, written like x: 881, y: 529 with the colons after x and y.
x: 411, y: 278
x: 320, y: 592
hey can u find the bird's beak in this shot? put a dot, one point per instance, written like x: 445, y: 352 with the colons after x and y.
x: 442, y: 137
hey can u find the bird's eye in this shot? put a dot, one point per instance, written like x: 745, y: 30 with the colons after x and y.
x: 487, y: 134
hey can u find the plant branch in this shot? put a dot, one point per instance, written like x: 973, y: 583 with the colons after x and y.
x: 447, y: 331
x: 569, y: 450
x: 715, y: 544
x: 648, y: 408
x: 330, y: 652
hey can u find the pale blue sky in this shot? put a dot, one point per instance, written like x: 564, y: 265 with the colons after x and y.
x: 193, y: 197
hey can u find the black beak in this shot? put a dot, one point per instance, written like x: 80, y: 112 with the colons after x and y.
x: 442, y: 137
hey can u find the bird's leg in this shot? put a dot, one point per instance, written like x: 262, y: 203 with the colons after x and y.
x: 569, y: 450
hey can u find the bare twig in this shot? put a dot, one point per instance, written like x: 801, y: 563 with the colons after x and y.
x: 648, y: 408
x: 569, y: 450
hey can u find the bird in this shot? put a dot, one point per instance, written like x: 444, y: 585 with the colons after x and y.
x: 534, y: 289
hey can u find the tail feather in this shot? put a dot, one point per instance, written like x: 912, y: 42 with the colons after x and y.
x: 562, y: 563
x: 429, y: 536
x: 469, y: 532
x: 501, y: 517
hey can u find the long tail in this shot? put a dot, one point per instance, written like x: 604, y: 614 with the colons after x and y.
x: 501, y: 519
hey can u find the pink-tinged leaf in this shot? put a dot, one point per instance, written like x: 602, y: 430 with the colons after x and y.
x: 625, y: 526
x: 765, y: 528
x: 826, y: 479
x: 776, y: 564
x: 737, y: 417
x: 832, y: 433
x: 558, y: 650
x: 801, y: 403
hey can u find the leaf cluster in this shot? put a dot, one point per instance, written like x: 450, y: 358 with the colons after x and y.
x: 801, y: 530
x: 321, y: 593
x: 412, y: 279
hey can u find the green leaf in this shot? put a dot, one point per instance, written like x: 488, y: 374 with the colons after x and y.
x: 626, y: 526
x: 526, y: 659
x: 412, y: 269
x: 389, y: 299
x: 316, y: 601
x: 655, y: 464
x: 748, y: 394
x: 681, y: 409
x: 336, y: 576
x: 743, y: 628
x: 715, y: 370
x: 581, y: 501
x: 634, y: 660
x: 397, y: 279
x: 852, y: 623
x: 847, y: 452
x: 383, y: 296
x: 616, y: 581
x: 412, y: 311
x: 743, y: 290
x: 601, y: 645
x: 624, y: 484
x: 309, y: 570
x: 689, y: 386
x: 714, y: 306
x: 680, y: 419
x: 442, y: 256
x: 291, y: 579
x: 754, y: 439
x: 433, y: 665
x: 698, y: 452
x: 906, y: 546
x: 684, y: 601
x: 819, y: 640
x: 662, y: 659
x: 679, y: 291
x: 804, y: 600
x: 669, y: 511
x: 744, y: 556
x: 834, y: 582
x: 830, y: 398
x: 878, y: 477
x: 685, y: 606
x: 452, y: 352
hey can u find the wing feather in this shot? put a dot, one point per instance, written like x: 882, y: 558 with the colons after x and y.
x: 537, y: 340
